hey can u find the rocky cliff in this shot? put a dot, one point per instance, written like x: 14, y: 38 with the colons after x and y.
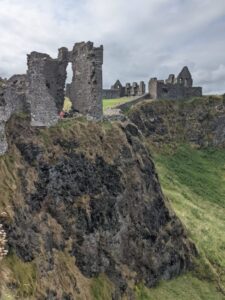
x: 85, y: 207
x: 200, y: 121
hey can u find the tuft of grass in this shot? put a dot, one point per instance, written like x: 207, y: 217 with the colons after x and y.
x: 24, y: 276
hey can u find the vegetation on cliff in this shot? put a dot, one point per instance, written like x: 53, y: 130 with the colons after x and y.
x: 84, y: 190
x: 187, y: 145
x: 86, y: 211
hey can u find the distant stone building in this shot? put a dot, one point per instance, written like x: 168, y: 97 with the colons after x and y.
x: 174, y: 88
x: 118, y: 90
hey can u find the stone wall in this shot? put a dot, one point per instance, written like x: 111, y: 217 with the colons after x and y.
x: 15, y: 94
x: 141, y: 89
x: 86, y: 86
x: 110, y: 94
x: 41, y: 91
x: 174, y: 88
x: 117, y: 90
x: 46, y: 82
x: 12, y: 100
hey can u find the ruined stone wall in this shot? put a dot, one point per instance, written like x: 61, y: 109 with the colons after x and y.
x: 110, y: 94
x: 152, y: 88
x: 86, y: 86
x: 46, y: 82
x: 141, y: 90
x: 15, y: 95
x: 174, y: 88
x: 161, y: 90
x: 134, y: 89
x: 128, y: 89
x: 12, y: 100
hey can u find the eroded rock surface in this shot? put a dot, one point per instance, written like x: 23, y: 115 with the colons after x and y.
x: 105, y: 203
x: 200, y: 122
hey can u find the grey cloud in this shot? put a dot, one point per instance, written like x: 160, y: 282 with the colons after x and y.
x: 142, y: 39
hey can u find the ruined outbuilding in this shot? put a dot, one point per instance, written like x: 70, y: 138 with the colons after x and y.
x: 117, y: 90
x: 174, y: 87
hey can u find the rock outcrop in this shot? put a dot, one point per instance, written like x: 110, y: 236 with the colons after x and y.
x: 91, y: 192
x: 200, y: 122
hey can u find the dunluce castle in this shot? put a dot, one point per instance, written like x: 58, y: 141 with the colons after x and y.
x: 41, y: 91
x: 179, y: 87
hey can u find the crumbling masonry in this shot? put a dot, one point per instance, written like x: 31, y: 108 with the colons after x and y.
x: 118, y: 90
x: 174, y: 88
x: 86, y: 86
x: 41, y: 91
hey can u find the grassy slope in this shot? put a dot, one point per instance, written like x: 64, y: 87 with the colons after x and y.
x: 194, y: 182
x: 108, y: 103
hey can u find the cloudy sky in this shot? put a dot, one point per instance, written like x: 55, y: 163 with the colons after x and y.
x: 141, y: 38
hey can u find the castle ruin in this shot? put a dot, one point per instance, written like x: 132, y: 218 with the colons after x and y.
x: 174, y: 88
x: 118, y: 90
x: 41, y: 91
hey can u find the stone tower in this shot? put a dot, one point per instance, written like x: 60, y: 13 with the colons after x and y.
x: 86, y: 86
x: 46, y: 81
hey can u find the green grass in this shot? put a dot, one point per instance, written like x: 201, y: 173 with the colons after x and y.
x: 101, y: 288
x: 108, y: 103
x: 194, y: 182
x: 24, y: 276
x: 185, y: 287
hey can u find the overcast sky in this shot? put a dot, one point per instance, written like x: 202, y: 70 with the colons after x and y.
x: 141, y: 39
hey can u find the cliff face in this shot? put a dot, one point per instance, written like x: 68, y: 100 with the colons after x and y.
x: 85, y: 201
x: 200, y: 122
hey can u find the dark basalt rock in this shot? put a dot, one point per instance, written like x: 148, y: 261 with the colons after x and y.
x: 201, y: 122
x: 114, y: 214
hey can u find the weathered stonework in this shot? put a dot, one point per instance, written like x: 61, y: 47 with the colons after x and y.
x: 46, y: 83
x: 12, y: 100
x: 118, y: 90
x: 15, y: 94
x: 128, y: 89
x: 141, y: 89
x: 174, y: 88
x: 134, y: 89
x: 86, y: 86
x: 41, y: 91
x: 110, y: 94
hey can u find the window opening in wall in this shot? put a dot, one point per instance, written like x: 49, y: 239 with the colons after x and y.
x: 67, y: 101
